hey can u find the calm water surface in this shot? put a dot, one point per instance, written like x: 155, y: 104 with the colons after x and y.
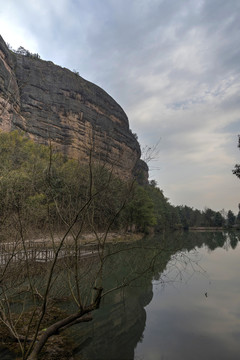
x: 183, y: 305
x: 187, y: 308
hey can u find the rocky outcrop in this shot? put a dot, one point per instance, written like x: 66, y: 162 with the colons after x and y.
x: 50, y: 102
x: 9, y: 90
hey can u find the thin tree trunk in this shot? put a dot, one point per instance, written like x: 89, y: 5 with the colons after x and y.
x: 55, y: 328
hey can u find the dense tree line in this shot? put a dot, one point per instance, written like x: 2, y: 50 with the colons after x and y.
x: 167, y: 216
x: 46, y: 188
x: 208, y: 218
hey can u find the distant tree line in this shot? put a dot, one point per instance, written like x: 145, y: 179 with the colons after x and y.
x: 167, y: 216
x: 208, y: 218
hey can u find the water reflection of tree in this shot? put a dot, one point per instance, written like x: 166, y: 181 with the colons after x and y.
x: 120, y: 323
x: 234, y: 239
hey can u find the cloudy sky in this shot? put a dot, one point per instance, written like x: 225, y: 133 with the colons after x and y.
x: 174, y: 67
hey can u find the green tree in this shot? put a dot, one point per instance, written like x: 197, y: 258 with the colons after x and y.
x: 165, y: 214
x: 236, y: 170
x: 218, y: 219
x: 230, y: 218
x: 209, y: 216
x: 238, y: 218
x: 139, y: 212
x: 190, y: 217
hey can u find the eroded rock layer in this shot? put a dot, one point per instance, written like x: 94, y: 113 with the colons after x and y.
x: 49, y: 102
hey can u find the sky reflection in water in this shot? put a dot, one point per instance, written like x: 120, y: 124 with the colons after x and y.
x: 197, y: 316
x: 190, y: 311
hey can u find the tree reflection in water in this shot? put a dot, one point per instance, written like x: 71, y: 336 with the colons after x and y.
x: 119, y: 325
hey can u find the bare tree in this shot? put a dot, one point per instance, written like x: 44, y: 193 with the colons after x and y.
x: 29, y: 291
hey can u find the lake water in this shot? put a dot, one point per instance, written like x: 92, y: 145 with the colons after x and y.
x: 183, y: 302
x: 186, y: 308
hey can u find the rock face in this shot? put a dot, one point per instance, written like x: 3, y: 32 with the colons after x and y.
x: 52, y: 103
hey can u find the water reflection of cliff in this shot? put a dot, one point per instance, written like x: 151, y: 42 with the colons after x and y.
x: 120, y: 322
